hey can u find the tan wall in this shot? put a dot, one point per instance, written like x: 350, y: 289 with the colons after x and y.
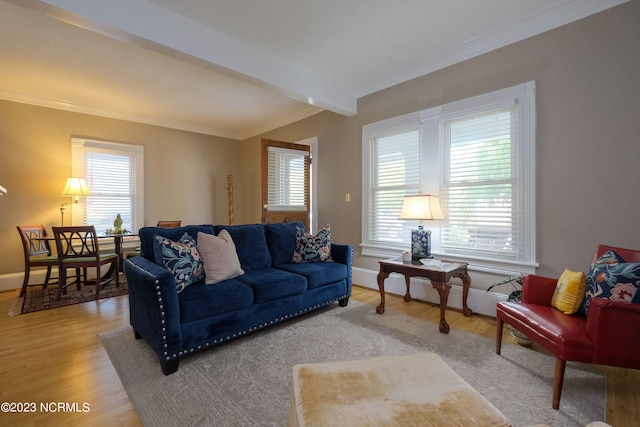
x: 588, y: 135
x: 587, y: 147
x: 185, y: 173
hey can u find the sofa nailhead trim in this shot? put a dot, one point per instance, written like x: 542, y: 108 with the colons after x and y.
x: 160, y: 306
x: 254, y: 328
x: 263, y: 325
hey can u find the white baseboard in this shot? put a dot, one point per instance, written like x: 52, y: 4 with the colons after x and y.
x: 479, y: 301
x: 14, y: 280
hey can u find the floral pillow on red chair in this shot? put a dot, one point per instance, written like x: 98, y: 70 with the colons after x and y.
x: 612, y: 278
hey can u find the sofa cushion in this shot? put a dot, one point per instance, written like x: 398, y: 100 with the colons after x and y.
x: 181, y: 258
x: 281, y: 239
x: 311, y: 248
x: 611, y: 277
x: 251, y: 245
x: 146, y: 236
x: 271, y: 284
x: 219, y: 257
x: 569, y: 291
x: 201, y: 301
x: 318, y: 274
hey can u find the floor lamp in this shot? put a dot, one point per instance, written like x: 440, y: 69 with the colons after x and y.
x: 75, y: 188
x: 421, y: 207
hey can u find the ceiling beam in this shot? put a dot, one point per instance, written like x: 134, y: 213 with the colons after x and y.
x: 151, y: 26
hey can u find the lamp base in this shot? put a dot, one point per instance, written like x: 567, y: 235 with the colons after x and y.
x: 420, y: 243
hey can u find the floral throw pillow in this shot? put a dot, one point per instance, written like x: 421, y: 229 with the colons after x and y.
x: 612, y: 278
x: 181, y: 258
x: 311, y: 248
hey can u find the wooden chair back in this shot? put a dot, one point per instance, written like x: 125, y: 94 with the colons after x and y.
x: 78, y: 249
x: 34, y: 241
x: 169, y: 224
x: 79, y: 243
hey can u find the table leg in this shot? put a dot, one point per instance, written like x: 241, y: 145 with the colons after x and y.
x: 117, y: 240
x: 443, y: 290
x: 466, y: 284
x: 381, y: 276
x: 407, y: 296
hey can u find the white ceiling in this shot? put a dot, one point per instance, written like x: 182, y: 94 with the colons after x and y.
x: 238, y: 68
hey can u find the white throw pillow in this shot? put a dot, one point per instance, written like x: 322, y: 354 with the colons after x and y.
x: 219, y: 257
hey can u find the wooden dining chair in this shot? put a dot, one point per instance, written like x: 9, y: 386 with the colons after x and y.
x: 77, y: 248
x: 169, y: 224
x: 37, y: 253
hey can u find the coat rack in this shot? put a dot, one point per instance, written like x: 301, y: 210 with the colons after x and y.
x: 230, y: 190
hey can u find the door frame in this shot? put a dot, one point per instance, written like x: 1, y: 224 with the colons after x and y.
x: 312, y: 143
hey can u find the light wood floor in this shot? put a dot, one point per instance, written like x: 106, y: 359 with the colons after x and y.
x: 56, y: 356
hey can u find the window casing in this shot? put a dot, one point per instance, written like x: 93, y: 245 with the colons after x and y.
x: 114, y: 175
x: 478, y: 155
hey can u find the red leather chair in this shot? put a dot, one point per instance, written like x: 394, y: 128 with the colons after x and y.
x: 608, y: 335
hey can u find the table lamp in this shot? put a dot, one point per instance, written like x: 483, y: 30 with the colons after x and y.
x: 75, y: 188
x: 421, y: 207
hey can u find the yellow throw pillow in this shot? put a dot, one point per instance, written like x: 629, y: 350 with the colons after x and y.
x: 569, y: 291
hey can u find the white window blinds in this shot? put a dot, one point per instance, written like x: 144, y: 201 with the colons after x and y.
x: 114, y: 175
x: 110, y: 179
x: 480, y: 184
x: 287, y: 179
x: 395, y: 172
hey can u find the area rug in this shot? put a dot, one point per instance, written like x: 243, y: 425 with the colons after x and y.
x: 37, y: 299
x: 246, y: 382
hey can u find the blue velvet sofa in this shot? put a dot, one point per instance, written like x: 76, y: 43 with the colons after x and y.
x: 271, y: 290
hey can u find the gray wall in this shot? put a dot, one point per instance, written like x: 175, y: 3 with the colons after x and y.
x: 588, y: 135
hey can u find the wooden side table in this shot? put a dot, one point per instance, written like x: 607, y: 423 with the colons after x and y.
x: 439, y: 275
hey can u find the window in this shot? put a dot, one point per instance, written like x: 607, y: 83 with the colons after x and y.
x: 288, y: 179
x: 478, y: 155
x: 114, y: 175
x: 395, y: 172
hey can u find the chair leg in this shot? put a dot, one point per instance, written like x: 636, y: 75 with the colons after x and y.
x: 47, y: 277
x: 499, y: 329
x: 79, y: 278
x: 25, y: 281
x: 98, y: 282
x: 558, y: 380
x: 62, y: 280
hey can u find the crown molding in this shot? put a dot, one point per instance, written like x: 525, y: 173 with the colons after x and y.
x: 136, y: 118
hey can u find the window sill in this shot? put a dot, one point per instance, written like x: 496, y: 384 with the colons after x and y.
x: 508, y: 268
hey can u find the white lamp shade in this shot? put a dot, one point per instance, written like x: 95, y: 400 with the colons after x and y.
x: 421, y: 207
x: 76, y: 187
